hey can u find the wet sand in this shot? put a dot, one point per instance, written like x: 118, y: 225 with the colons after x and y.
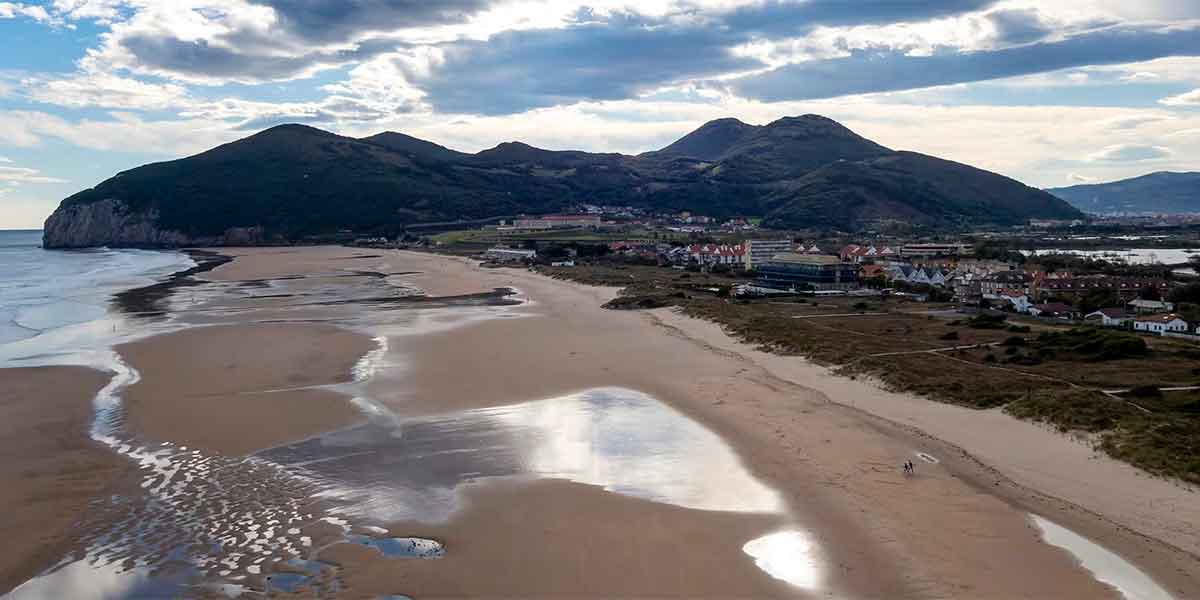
x: 948, y: 532
x: 552, y: 538
x: 237, y: 389
x: 960, y: 528
x: 51, y: 468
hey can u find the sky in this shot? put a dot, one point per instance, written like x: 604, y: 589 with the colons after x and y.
x: 1050, y: 92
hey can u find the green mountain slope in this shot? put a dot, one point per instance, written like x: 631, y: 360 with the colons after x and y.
x: 293, y: 181
x: 1162, y: 192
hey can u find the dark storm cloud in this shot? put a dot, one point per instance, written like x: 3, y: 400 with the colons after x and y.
x: 867, y: 72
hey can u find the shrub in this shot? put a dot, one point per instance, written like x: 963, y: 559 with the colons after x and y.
x: 985, y: 321
x: 949, y: 335
x: 990, y: 358
x: 1018, y: 328
x: 1146, y: 391
x: 1015, y: 340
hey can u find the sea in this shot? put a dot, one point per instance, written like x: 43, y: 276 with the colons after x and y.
x: 55, y: 304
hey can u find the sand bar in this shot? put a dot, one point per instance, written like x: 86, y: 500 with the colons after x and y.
x: 237, y: 389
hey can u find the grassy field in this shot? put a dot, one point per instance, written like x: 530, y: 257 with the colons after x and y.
x: 1074, y: 378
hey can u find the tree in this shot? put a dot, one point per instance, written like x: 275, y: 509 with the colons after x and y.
x: 1098, y: 298
x: 1189, y: 293
x: 1150, y: 293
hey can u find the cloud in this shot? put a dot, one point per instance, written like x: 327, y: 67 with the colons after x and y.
x: 120, y: 132
x: 1191, y: 98
x: 868, y: 72
x: 323, y: 21
x: 1019, y: 26
x: 619, y: 59
x: 1129, y: 153
x: 11, y: 10
x: 104, y: 90
x: 18, y: 175
x: 1077, y: 178
x: 5, y: 159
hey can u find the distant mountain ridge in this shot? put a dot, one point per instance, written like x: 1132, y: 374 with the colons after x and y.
x: 293, y: 181
x: 1161, y: 192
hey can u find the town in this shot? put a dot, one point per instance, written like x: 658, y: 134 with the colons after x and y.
x: 1106, y: 290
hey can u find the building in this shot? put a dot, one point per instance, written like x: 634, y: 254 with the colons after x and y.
x: 1108, y: 317
x: 717, y: 254
x: 1019, y: 302
x: 995, y: 285
x: 1054, y: 310
x: 1127, y: 288
x: 801, y: 271
x: 557, y: 221
x: 1145, y: 307
x: 1160, y: 323
x: 508, y: 255
x: 933, y: 250
x: 760, y: 251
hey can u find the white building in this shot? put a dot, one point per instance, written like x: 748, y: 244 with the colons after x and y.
x: 758, y: 252
x: 1160, y: 324
x: 499, y: 254
x: 1150, y: 306
x: 1108, y: 317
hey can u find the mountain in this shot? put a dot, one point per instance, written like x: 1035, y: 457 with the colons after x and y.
x: 294, y: 181
x: 1161, y: 192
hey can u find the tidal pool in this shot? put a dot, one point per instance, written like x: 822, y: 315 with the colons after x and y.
x: 1105, y: 566
x: 622, y: 440
x: 786, y: 555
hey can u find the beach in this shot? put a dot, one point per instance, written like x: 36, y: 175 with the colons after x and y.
x: 51, y: 468
x: 285, y: 353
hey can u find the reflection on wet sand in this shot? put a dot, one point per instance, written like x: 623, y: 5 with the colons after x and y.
x: 622, y: 440
x: 1107, y: 567
x: 786, y: 555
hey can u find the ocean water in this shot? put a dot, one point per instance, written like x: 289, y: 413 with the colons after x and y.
x: 55, y: 304
x: 1133, y: 256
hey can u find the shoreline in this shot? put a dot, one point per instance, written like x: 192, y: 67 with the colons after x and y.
x: 829, y: 444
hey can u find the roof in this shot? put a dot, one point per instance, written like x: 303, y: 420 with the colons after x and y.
x: 806, y: 259
x: 1053, y: 307
x: 720, y: 250
x: 1112, y: 313
x: 1008, y: 277
x: 1160, y: 318
x: 1149, y: 303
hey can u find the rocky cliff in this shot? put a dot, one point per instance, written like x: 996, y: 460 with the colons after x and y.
x: 109, y: 222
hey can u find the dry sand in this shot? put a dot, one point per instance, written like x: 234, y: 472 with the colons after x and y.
x: 51, y: 468
x: 238, y: 389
